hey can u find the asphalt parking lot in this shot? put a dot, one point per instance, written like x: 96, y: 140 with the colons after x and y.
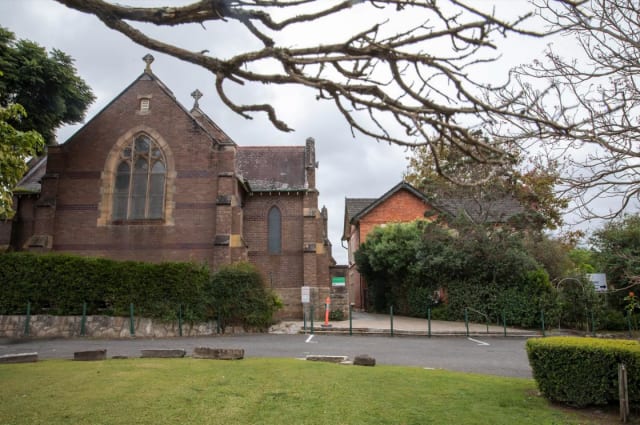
x: 485, y: 355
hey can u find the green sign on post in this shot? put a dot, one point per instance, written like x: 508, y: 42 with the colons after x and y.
x: 338, y: 281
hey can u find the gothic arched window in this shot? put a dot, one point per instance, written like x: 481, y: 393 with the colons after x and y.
x: 274, y: 232
x: 139, y: 187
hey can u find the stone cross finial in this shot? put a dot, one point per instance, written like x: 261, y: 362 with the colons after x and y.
x: 197, y: 94
x: 148, y: 59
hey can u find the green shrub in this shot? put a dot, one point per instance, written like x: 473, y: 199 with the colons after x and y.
x: 441, y: 312
x: 237, y: 296
x: 336, y: 315
x: 59, y: 284
x: 584, y: 371
x: 613, y: 320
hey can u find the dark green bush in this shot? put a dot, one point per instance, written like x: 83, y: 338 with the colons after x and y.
x: 479, y: 267
x: 336, y: 315
x: 613, y: 320
x: 58, y: 284
x: 584, y: 371
x: 238, y: 296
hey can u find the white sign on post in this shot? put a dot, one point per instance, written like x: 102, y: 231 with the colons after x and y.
x: 306, y: 294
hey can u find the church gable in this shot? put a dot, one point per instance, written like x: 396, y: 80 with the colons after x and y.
x: 146, y: 104
x: 148, y: 180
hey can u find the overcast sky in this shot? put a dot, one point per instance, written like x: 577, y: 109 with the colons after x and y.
x: 109, y: 62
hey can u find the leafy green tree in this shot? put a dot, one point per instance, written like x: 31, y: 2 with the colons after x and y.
x: 15, y: 147
x: 451, y: 173
x: 552, y: 254
x: 46, y: 85
x: 617, y: 252
x: 583, y: 260
x: 479, y: 267
x: 386, y: 261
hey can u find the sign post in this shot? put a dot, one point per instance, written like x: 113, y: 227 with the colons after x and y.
x: 305, y: 297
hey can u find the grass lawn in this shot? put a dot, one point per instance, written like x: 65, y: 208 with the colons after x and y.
x: 264, y: 391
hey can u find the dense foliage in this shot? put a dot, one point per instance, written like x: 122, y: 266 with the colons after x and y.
x: 617, y: 253
x: 452, y: 174
x: 45, y: 84
x: 38, y: 93
x: 239, y: 297
x: 477, y: 267
x: 60, y: 284
x: 584, y: 371
x: 15, y: 148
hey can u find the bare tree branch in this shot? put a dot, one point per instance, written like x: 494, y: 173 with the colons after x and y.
x: 414, y: 87
x: 586, y: 105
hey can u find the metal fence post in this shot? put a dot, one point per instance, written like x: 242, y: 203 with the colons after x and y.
x: 504, y: 323
x: 27, y: 319
x: 180, y: 319
x: 429, y: 321
x: 542, y: 320
x: 311, y: 306
x: 391, y: 317
x: 83, y: 321
x: 304, y: 318
x: 132, y: 329
x: 629, y: 322
x: 466, y: 320
x: 350, y: 319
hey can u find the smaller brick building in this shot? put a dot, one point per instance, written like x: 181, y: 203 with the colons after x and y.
x: 147, y: 179
x: 402, y: 204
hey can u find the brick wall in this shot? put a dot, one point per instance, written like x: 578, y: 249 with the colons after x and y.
x: 401, y: 207
x: 188, y: 231
x: 208, y: 218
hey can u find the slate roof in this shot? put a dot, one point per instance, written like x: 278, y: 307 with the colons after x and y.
x: 353, y: 206
x: 30, y: 182
x: 272, y: 168
x: 488, y: 210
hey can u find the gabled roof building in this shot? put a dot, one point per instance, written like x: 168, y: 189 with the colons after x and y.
x: 147, y: 179
x: 404, y: 203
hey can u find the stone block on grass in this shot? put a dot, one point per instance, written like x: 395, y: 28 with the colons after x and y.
x: 364, y: 360
x: 19, y: 358
x: 163, y: 353
x: 90, y: 355
x: 324, y: 358
x: 218, y: 353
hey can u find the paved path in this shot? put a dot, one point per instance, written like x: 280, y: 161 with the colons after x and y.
x: 370, y: 323
x: 449, y: 348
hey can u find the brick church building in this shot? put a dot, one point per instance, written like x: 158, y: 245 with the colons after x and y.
x: 147, y: 179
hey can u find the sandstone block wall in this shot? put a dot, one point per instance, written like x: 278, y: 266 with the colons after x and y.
x: 103, y: 327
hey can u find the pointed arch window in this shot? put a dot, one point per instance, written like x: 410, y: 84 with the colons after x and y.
x: 139, y: 188
x: 274, y: 232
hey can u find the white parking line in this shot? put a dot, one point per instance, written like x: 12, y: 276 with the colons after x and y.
x: 477, y: 341
x: 309, y: 339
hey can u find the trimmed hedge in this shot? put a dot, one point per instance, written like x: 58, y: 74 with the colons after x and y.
x: 584, y: 371
x: 58, y: 284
